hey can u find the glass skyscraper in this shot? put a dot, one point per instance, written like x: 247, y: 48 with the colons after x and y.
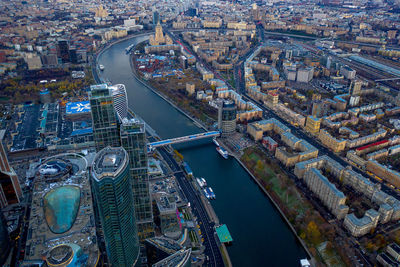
x: 227, y: 117
x: 133, y: 139
x: 120, y: 100
x: 114, y: 199
x: 104, y: 117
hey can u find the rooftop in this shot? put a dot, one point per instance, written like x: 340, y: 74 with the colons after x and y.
x: 223, y: 234
x: 168, y: 245
x: 178, y: 259
x: 395, y: 247
x: 109, y: 162
x: 62, y: 214
x: 61, y: 207
x: 77, y: 107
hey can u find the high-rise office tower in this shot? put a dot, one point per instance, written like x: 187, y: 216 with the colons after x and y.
x: 227, y: 117
x: 63, y: 50
x: 156, y: 17
x: 73, y: 56
x: 10, y: 189
x: 112, y: 190
x: 104, y: 117
x: 133, y: 139
x: 120, y: 99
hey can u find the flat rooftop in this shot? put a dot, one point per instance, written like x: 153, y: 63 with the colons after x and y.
x: 77, y: 107
x: 109, y: 161
x: 223, y: 234
x: 54, y: 222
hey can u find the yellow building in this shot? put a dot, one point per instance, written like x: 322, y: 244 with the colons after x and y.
x: 287, y: 159
x: 159, y: 38
x: 272, y: 98
x: 237, y: 25
x: 313, y: 124
x: 331, y: 142
x: 384, y: 172
x: 115, y: 33
x: 101, y: 12
x: 212, y: 23
x: 179, y: 25
x: 190, y: 88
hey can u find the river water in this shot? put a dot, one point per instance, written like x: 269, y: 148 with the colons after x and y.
x: 260, y: 236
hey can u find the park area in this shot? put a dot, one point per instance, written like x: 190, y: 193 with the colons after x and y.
x: 316, y: 232
x: 174, y: 88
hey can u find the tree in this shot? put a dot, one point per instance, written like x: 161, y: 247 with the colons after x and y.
x: 179, y: 155
x: 259, y: 166
x: 313, y: 233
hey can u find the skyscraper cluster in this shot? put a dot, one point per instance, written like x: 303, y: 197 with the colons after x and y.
x: 120, y: 175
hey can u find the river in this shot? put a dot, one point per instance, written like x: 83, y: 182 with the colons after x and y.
x: 260, y: 235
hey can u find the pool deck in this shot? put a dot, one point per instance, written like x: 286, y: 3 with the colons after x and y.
x: 41, y: 238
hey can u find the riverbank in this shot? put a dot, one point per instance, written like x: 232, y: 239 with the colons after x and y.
x: 256, y: 226
x: 314, y: 233
x: 282, y: 214
x: 164, y: 97
x: 207, y: 205
x: 266, y: 193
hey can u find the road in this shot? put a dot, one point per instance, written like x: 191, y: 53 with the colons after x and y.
x: 212, y: 251
x: 269, y: 113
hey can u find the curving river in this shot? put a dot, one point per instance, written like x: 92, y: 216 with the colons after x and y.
x: 260, y: 235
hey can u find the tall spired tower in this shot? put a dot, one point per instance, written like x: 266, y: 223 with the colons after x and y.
x: 159, y: 36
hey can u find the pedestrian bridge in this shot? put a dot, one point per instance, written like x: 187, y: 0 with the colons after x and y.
x: 177, y: 140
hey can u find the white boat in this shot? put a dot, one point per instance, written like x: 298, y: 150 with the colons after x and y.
x: 211, y: 193
x: 200, y: 182
x: 305, y: 263
x: 204, y: 181
x: 101, y: 67
x: 129, y: 48
x: 222, y: 152
x: 215, y: 142
x: 206, y: 193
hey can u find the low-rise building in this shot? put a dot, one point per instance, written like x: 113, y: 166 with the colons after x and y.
x: 353, y: 157
x: 394, y: 251
x: 299, y: 149
x: 257, y: 129
x: 336, y: 145
x: 348, y: 72
x: 389, y: 207
x: 383, y: 172
x: 386, y: 260
x: 190, y: 88
x: 305, y: 74
x: 269, y: 143
x: 327, y: 192
x: 359, y: 227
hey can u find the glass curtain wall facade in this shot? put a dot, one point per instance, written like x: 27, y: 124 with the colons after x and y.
x: 105, y: 126
x: 133, y: 139
x: 114, y: 199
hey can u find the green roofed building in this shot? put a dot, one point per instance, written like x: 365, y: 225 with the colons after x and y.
x: 223, y: 234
